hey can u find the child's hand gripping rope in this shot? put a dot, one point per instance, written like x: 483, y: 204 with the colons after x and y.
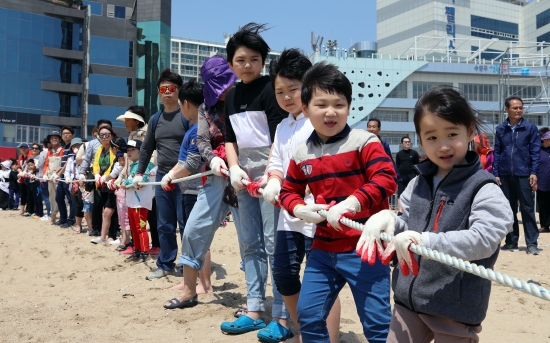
x: 370, y: 245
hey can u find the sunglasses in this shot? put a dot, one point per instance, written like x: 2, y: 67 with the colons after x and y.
x: 105, y: 135
x: 35, y: 148
x: 171, y: 89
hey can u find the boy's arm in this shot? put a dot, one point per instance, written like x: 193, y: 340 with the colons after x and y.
x: 192, y: 163
x: 380, y: 173
x: 490, y: 219
x: 294, y: 188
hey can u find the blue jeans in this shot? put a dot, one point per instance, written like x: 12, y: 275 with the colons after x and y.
x: 63, y: 191
x: 169, y: 215
x: 13, y: 200
x: 325, y: 275
x: 45, y: 196
x: 257, y: 232
x: 38, y: 207
x: 204, y: 220
x: 290, y: 249
x: 187, y: 202
x: 517, y: 188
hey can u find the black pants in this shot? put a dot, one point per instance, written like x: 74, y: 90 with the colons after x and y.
x: 78, y: 204
x: 517, y: 188
x: 108, y: 200
x: 97, y: 213
x: 30, y: 199
x: 543, y: 202
x: 152, y: 219
x: 22, y: 194
x: 3, y: 200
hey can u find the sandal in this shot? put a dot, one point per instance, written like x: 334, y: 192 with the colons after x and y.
x: 242, y: 325
x: 122, y: 247
x: 240, y: 311
x: 175, y: 303
x: 274, y: 333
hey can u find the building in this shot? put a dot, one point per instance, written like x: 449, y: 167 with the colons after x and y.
x: 489, y: 49
x: 72, y: 62
x: 188, y: 55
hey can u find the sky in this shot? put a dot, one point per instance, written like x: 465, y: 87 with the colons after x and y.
x: 291, y: 21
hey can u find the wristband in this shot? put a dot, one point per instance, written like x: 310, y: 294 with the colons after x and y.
x: 270, y: 174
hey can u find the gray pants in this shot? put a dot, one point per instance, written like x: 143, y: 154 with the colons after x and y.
x: 407, y: 326
x: 52, y: 189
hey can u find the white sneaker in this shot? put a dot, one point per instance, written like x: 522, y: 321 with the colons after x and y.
x: 45, y: 217
x: 98, y: 240
x: 115, y: 242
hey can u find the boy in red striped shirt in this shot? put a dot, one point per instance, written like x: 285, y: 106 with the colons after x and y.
x: 350, y: 168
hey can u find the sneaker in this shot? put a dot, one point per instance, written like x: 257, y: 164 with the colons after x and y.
x: 143, y: 258
x: 115, y: 242
x: 45, y: 218
x: 98, y: 240
x: 154, y: 251
x: 533, y: 250
x: 58, y: 223
x: 66, y: 225
x: 544, y: 229
x: 27, y: 214
x: 95, y: 233
x: 132, y: 258
x: 121, y: 247
x: 36, y: 217
x: 159, y: 273
x: 509, y: 246
x: 129, y: 250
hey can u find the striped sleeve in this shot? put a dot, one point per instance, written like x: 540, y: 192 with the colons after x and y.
x: 380, y: 174
x: 294, y: 188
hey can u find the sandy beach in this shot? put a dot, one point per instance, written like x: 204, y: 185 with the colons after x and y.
x: 56, y: 286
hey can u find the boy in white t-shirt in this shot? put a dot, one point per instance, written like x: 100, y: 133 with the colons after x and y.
x: 139, y: 202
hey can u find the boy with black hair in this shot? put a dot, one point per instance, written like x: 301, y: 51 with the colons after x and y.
x: 294, y: 236
x: 253, y: 115
x: 349, y: 167
x: 166, y: 137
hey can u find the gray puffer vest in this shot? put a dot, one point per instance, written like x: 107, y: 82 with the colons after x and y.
x: 440, y: 290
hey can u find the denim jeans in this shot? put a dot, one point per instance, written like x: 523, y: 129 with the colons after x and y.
x: 45, y: 196
x: 38, y: 207
x: 256, y: 232
x: 187, y: 203
x: 169, y: 215
x: 13, y: 200
x: 204, y: 220
x: 290, y: 249
x: 517, y: 188
x: 63, y: 191
x: 324, y: 277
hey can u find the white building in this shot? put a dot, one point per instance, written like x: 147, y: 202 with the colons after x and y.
x: 188, y: 55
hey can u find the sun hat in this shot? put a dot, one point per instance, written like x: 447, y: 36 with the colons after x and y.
x: 217, y: 78
x: 134, y: 144
x: 545, y: 136
x: 54, y: 133
x: 6, y: 164
x: 130, y: 115
x: 23, y: 145
x: 75, y: 140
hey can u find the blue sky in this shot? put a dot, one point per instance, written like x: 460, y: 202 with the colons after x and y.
x: 291, y: 20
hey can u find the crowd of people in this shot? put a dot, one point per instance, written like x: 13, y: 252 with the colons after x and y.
x: 279, y: 150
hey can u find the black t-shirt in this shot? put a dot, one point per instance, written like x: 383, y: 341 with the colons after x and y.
x: 405, y: 160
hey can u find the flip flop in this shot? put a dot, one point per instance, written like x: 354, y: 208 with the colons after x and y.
x: 240, y: 311
x: 274, y: 333
x: 175, y: 303
x: 242, y: 325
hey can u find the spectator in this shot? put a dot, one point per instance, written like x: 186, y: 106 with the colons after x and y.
x: 44, y: 185
x: 4, y: 184
x: 543, y: 192
x: 51, y: 165
x: 483, y: 149
x: 405, y: 160
x: 516, y: 164
x: 24, y: 155
x: 63, y: 195
x: 166, y: 137
x: 373, y: 126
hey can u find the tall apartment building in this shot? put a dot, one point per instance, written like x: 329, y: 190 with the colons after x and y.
x: 188, y: 55
x: 72, y: 62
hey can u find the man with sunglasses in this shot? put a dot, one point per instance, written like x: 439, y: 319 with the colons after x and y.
x: 63, y: 189
x: 405, y: 160
x: 166, y: 138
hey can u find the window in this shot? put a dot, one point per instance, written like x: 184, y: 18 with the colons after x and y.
x: 120, y: 12
x: 420, y: 88
x: 536, y: 119
x: 175, y: 58
x: 494, y: 25
x: 174, y: 68
x: 96, y: 112
x: 110, y: 85
x: 488, y: 117
x: 96, y: 8
x: 188, y: 47
x: 188, y: 59
x: 110, y: 51
x: 400, y: 91
x: 479, y: 92
x: 189, y: 70
x: 389, y: 115
x: 175, y: 46
x: 543, y: 19
x: 525, y: 92
x: 543, y: 38
x: 9, y: 133
x: 394, y: 138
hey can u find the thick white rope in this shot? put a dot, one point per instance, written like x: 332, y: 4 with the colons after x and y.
x: 472, y: 268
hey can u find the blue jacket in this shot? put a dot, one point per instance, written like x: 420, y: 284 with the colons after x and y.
x: 516, y: 153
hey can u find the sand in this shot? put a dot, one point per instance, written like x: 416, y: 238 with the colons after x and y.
x: 55, y: 286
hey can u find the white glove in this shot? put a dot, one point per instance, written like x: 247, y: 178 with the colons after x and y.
x: 55, y: 177
x: 369, y: 242
x: 20, y: 174
x: 166, y: 182
x: 97, y: 178
x: 271, y: 191
x: 82, y: 178
x: 309, y: 213
x: 400, y: 244
x: 216, y: 165
x: 237, y: 175
x: 118, y: 182
x: 45, y: 178
x: 262, y: 182
x: 103, y: 180
x: 348, y: 207
x: 111, y: 184
x: 137, y: 179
